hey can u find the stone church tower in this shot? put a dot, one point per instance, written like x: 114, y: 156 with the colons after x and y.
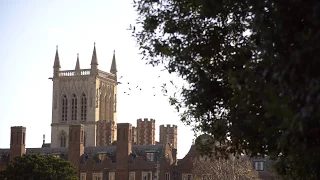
x: 83, y: 96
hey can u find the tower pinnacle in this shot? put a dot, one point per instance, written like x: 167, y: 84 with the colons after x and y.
x: 113, y: 68
x: 94, y: 60
x: 77, y: 63
x: 56, y: 59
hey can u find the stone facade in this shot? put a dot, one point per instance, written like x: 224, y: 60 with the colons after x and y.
x: 83, y: 96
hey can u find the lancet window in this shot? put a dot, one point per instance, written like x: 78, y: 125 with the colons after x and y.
x: 74, y: 107
x: 63, y: 139
x: 83, y: 107
x: 64, y: 114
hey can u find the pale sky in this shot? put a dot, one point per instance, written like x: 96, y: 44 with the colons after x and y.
x: 29, y: 33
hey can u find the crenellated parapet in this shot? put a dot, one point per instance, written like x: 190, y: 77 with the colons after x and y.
x: 168, y: 126
x: 146, y: 120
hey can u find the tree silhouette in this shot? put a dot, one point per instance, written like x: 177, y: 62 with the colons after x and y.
x: 252, y: 73
x: 35, y: 166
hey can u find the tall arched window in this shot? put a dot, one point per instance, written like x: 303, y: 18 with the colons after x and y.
x: 107, y: 108
x: 102, y: 107
x: 83, y: 107
x: 63, y: 139
x: 74, y: 107
x: 64, y: 114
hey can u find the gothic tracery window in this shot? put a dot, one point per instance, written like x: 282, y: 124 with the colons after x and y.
x: 102, y: 107
x: 63, y: 139
x: 64, y: 108
x: 83, y: 107
x: 107, y: 108
x: 74, y: 107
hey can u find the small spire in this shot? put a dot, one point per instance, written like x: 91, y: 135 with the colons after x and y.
x: 77, y: 63
x: 56, y: 59
x: 113, y: 68
x: 94, y: 60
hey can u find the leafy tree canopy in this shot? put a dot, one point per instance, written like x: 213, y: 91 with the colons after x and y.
x: 35, y: 166
x: 252, y: 70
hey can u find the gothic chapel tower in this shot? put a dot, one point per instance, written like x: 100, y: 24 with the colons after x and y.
x: 82, y: 96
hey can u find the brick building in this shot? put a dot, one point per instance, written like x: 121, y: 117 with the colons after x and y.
x: 85, y: 131
x: 146, y: 131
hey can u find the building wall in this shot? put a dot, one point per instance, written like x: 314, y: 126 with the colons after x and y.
x: 105, y: 133
x: 169, y: 134
x: 146, y: 131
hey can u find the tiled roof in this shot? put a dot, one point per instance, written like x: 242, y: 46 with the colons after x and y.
x: 137, y: 149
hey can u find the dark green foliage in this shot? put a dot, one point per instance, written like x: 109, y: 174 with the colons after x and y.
x: 260, y: 90
x: 35, y: 166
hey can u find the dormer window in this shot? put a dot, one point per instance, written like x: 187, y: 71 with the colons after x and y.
x: 101, y: 156
x: 150, y: 156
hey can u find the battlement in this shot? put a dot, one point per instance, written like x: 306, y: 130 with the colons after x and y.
x: 18, y: 127
x: 169, y: 126
x: 146, y: 120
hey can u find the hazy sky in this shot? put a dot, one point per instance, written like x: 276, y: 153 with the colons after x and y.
x: 29, y: 33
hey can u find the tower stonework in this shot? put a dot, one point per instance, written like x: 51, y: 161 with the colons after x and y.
x: 105, y: 133
x: 17, y: 141
x: 169, y: 134
x: 82, y: 96
x: 146, y: 131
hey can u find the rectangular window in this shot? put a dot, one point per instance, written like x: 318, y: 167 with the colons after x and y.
x: 97, y: 176
x: 112, y: 176
x: 146, y: 175
x: 259, y: 165
x: 167, y: 176
x: 83, y: 176
x: 186, y: 176
x: 132, y: 176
